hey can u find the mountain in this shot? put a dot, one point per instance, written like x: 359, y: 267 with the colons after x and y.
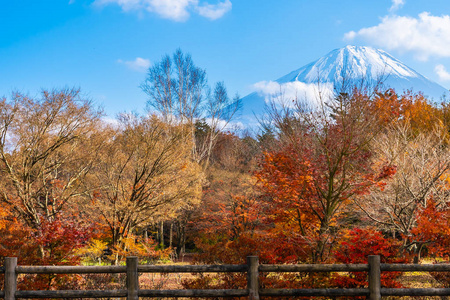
x: 348, y: 64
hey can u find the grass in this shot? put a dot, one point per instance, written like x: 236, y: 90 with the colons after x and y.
x: 420, y: 280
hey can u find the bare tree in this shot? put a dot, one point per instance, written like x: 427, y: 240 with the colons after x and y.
x: 423, y: 164
x: 179, y: 92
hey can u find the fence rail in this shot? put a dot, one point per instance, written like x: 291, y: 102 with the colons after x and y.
x: 252, y: 269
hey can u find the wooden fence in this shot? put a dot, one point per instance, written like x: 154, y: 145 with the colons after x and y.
x: 252, y: 268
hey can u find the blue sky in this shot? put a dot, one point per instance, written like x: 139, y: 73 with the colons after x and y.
x: 105, y: 46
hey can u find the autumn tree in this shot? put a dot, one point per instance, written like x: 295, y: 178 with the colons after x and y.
x: 55, y: 243
x: 355, y: 246
x: 146, y: 172
x: 224, y: 213
x: 421, y: 161
x: 411, y: 109
x: 179, y: 92
x: 47, y: 148
x: 323, y: 161
x: 432, y: 230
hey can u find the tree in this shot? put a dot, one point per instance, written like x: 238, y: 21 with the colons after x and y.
x: 413, y: 110
x: 432, y: 231
x: 354, y: 247
x: 146, y: 173
x: 47, y: 148
x: 322, y: 163
x: 178, y: 90
x: 55, y: 243
x: 223, y: 214
x: 422, y: 163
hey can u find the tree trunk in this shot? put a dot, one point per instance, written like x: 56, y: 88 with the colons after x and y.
x: 146, y: 235
x: 171, y: 234
x: 161, y: 243
x: 157, y: 233
x: 181, y: 238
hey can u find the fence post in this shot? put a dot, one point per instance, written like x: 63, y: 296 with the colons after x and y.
x: 253, y: 277
x: 10, y: 278
x: 132, y: 278
x: 374, y: 277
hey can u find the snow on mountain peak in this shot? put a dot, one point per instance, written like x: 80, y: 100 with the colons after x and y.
x: 355, y: 62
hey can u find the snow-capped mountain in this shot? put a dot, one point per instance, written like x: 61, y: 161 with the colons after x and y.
x: 348, y: 64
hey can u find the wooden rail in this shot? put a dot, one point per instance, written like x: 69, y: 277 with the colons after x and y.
x: 252, y: 268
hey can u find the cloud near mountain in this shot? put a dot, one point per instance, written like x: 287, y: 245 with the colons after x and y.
x: 285, y: 93
x: 319, y: 80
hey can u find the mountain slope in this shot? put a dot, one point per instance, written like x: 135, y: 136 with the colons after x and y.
x: 348, y: 64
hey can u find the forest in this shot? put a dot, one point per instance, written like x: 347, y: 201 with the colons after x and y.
x: 364, y: 173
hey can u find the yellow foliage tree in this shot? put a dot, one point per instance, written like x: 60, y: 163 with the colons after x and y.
x: 145, y: 171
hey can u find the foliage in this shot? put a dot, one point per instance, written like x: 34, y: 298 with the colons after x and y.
x: 53, y: 243
x: 145, y: 250
x: 407, y: 108
x: 363, y: 173
x: 93, y: 252
x: 356, y: 245
x: 146, y: 172
x: 47, y: 147
x: 432, y: 231
x: 422, y: 164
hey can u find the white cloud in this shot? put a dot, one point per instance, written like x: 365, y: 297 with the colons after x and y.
x: 287, y: 94
x: 176, y: 10
x: 424, y: 36
x: 126, y: 5
x: 443, y: 74
x: 350, y: 35
x: 111, y: 121
x: 223, y: 125
x: 214, y: 11
x: 139, y: 64
x: 396, y: 4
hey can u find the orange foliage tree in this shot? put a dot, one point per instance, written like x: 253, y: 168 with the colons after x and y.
x: 411, y: 108
x: 354, y: 247
x: 323, y: 163
x: 432, y: 232
x: 54, y: 243
x: 307, y: 184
